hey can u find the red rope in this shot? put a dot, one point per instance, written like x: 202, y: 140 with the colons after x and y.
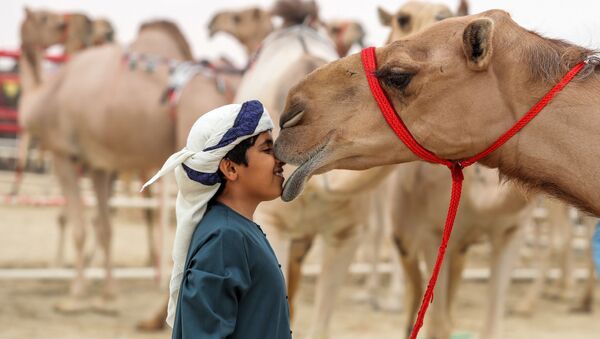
x: 395, y: 122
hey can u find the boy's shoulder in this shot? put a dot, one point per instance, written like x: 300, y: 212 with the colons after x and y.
x: 220, y: 221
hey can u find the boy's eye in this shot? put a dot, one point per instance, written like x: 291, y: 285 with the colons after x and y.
x: 268, y: 150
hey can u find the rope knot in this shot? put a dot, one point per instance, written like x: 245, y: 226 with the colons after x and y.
x: 456, y: 169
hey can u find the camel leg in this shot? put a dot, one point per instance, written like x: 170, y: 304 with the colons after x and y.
x: 149, y: 217
x: 338, y: 254
x: 414, y: 284
x: 586, y: 302
x: 59, y: 261
x: 457, y: 265
x: 505, y: 252
x: 563, y: 229
x: 66, y: 171
x: 298, y: 250
x: 376, y: 231
x: 542, y: 257
x: 438, y: 320
x: 102, y: 187
x: 21, y: 161
x: 156, y: 322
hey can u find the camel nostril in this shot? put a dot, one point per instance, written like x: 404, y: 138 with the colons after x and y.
x: 293, y: 121
x: 293, y: 113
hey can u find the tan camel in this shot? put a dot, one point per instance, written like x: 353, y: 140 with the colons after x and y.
x: 345, y: 34
x: 102, y: 32
x: 488, y: 209
x: 101, y: 108
x: 560, y: 226
x: 482, y: 70
x: 249, y: 26
x: 414, y: 16
x: 252, y: 25
x: 74, y: 32
x: 336, y: 205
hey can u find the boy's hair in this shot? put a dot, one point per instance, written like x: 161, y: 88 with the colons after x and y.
x: 238, y: 156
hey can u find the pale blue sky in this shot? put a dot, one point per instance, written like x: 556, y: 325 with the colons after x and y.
x: 574, y: 20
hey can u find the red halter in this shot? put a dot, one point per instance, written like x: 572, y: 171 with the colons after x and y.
x: 395, y: 122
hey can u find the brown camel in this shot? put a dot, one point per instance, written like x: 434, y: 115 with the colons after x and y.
x: 448, y: 82
x: 91, y: 116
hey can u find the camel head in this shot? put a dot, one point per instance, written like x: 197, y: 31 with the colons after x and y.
x: 345, y: 34
x: 102, y: 32
x: 249, y: 26
x: 413, y: 17
x: 42, y: 28
x: 449, y: 84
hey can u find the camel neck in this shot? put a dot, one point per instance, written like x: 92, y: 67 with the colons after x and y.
x: 558, y: 151
x: 252, y: 46
x: 30, y: 66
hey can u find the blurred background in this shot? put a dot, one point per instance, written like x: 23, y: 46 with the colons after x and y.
x: 51, y: 288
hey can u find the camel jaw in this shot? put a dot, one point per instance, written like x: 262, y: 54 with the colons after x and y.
x: 294, y: 185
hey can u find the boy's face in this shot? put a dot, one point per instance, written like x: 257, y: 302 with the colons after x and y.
x: 263, y: 177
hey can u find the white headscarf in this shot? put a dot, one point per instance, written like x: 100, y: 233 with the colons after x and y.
x: 212, y: 136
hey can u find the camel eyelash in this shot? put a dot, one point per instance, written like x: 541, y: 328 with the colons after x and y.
x: 395, y: 78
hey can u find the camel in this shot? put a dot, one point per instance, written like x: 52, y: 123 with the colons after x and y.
x: 481, y: 64
x: 252, y: 25
x: 249, y: 26
x: 476, y: 69
x: 560, y: 226
x: 336, y: 206
x: 74, y: 31
x: 102, y: 32
x: 91, y: 116
x: 415, y: 16
x: 489, y: 208
x: 345, y: 33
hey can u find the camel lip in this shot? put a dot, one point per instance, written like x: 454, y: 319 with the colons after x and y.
x: 294, y: 185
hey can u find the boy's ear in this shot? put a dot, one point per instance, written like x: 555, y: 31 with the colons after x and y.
x: 229, y: 169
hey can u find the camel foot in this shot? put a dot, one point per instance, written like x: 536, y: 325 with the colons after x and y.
x: 522, y: 309
x: 153, y: 324
x: 72, y: 305
x: 105, y: 306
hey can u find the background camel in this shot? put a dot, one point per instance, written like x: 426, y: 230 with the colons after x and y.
x: 285, y: 57
x: 74, y: 32
x: 105, y: 136
x: 560, y: 227
x: 252, y: 25
x: 488, y: 209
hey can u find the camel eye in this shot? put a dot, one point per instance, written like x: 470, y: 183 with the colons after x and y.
x: 237, y: 19
x: 403, y: 20
x: 395, y: 78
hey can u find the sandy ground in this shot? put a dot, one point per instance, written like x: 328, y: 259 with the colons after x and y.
x: 29, y: 239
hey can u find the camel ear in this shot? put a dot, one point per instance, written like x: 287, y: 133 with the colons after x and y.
x: 28, y: 12
x: 477, y: 43
x: 463, y: 8
x: 384, y: 17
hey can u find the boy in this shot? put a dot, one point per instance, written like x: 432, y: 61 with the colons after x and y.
x: 226, y: 280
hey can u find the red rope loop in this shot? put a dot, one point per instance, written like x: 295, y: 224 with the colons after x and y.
x: 369, y: 61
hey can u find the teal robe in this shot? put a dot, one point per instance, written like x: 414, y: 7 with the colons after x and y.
x: 233, y: 286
